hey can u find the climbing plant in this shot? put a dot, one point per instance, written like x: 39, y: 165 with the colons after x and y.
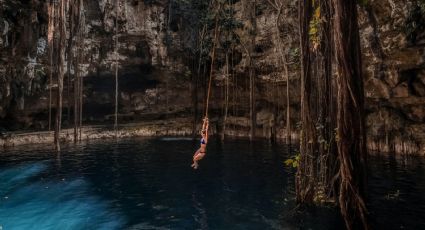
x: 331, y: 164
x: 314, y: 28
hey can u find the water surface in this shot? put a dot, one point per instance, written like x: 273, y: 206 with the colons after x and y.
x: 148, y: 184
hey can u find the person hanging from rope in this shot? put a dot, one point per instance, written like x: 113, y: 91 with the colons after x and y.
x: 200, y: 153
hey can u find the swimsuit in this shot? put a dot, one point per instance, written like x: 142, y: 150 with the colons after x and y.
x: 202, y: 143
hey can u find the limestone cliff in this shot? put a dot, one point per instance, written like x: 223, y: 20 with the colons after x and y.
x: 158, y: 70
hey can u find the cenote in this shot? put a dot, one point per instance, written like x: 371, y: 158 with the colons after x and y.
x: 144, y: 183
x: 82, y: 81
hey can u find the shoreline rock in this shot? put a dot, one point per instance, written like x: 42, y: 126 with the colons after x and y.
x: 183, y: 128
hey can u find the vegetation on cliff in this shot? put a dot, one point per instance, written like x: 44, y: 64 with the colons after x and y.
x: 253, y: 66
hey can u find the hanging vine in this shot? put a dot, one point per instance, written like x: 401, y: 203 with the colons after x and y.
x: 351, y: 130
x: 61, y: 22
x: 116, y: 69
x: 50, y: 42
x: 332, y: 165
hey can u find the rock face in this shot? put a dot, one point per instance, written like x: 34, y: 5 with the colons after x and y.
x: 393, y: 40
x: 150, y: 82
x: 158, y: 75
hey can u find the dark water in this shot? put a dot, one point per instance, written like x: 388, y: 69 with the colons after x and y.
x: 148, y: 184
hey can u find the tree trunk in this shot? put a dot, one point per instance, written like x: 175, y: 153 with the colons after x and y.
x: 303, y: 185
x: 73, y: 13
x: 251, y: 101
x: 350, y: 116
x: 226, y: 98
x: 288, y: 111
x: 216, y: 35
x: 116, y: 70
x: 195, y: 99
x: 50, y: 39
x: 76, y: 93
x: 68, y: 86
x: 327, y: 114
x: 77, y: 22
x: 81, y: 95
x: 80, y: 55
x: 70, y: 57
x: 317, y: 171
x: 61, y: 52
x: 286, y: 74
x: 251, y: 72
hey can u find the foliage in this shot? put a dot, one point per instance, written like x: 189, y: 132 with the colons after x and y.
x: 415, y: 22
x: 150, y: 2
x: 194, y: 14
x: 293, y: 54
x: 314, y: 28
x: 259, y: 9
x: 363, y: 2
x: 299, y: 125
x: 337, y: 138
x: 293, y: 161
x: 320, y: 196
x: 421, y: 4
x: 393, y: 196
x: 39, y: 81
x: 187, y: 74
x: 39, y: 71
x: 229, y: 25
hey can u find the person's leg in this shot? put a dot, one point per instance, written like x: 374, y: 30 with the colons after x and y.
x: 197, y: 158
x: 195, y: 161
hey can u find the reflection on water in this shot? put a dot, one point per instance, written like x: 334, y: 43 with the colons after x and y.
x: 176, y: 139
x: 397, y: 192
x: 148, y: 184
x: 15, y: 176
x: 29, y: 201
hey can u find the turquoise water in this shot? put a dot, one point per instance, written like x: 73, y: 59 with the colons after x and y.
x: 149, y: 184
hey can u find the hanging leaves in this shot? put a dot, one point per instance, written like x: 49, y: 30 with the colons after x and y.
x: 293, y: 161
x: 314, y: 29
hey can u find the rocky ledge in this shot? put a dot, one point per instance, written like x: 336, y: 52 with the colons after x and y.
x: 183, y: 127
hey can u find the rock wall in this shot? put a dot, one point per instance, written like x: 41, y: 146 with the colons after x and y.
x: 393, y: 40
x: 157, y: 72
x: 148, y: 78
x: 393, y: 47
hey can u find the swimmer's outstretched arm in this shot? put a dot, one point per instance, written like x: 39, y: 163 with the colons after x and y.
x: 205, y: 124
x: 205, y: 127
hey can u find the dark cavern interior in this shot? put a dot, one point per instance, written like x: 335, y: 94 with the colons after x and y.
x: 310, y: 114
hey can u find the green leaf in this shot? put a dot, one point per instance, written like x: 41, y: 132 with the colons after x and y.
x: 363, y: 2
x: 289, y: 162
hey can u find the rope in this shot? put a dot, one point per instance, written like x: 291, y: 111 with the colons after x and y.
x: 212, y: 65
